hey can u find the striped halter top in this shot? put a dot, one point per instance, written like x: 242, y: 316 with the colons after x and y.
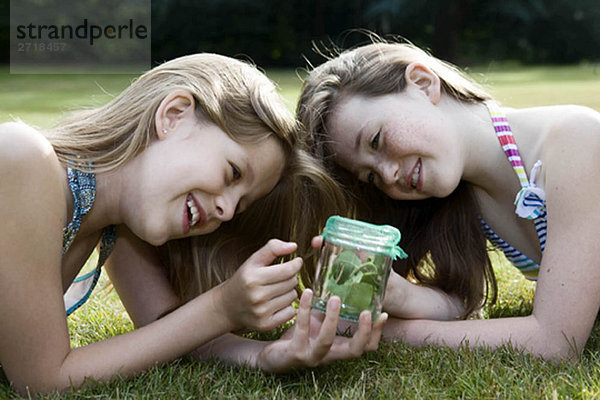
x: 530, y: 202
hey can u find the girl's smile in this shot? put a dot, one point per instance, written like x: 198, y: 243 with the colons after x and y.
x: 398, y: 142
x: 193, y: 214
x: 416, y: 178
x: 195, y: 178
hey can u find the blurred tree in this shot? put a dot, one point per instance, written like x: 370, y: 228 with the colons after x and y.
x: 449, y: 18
x: 441, y: 22
x: 534, y: 31
x: 473, y: 31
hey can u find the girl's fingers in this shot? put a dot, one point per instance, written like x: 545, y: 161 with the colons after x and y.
x: 280, y: 317
x: 328, y: 329
x: 279, y: 302
x: 272, y: 291
x: 270, y: 251
x: 279, y: 272
x: 317, y: 242
x: 302, y: 332
x: 363, y: 334
x: 376, y: 332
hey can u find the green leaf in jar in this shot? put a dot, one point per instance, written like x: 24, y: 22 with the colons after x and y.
x: 360, y: 296
x: 372, y: 278
x: 345, y: 264
x: 333, y: 289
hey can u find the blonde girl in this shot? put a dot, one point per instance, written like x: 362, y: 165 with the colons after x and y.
x: 185, y: 148
x: 425, y: 148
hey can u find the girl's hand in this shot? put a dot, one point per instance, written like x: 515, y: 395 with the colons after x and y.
x: 313, y: 341
x: 259, y: 295
x: 316, y: 242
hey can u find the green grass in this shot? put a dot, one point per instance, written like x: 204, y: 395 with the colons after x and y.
x: 537, y: 86
x: 41, y: 99
x: 395, y: 370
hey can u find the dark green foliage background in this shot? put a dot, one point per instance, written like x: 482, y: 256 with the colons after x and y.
x: 280, y: 33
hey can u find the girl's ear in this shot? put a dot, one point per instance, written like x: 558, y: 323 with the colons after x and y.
x: 176, y: 106
x: 425, y: 80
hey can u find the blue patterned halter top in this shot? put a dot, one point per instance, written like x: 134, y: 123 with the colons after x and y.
x: 83, y: 189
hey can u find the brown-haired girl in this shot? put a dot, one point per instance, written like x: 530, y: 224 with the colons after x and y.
x: 185, y: 148
x: 425, y: 148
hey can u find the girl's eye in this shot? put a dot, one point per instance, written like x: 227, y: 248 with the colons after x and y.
x: 375, y: 141
x: 236, y: 174
x: 371, y: 178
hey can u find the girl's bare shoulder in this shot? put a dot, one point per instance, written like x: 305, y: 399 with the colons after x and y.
x: 20, y: 142
x: 574, y: 123
x: 571, y: 129
x: 23, y: 148
x: 28, y: 163
x: 572, y: 144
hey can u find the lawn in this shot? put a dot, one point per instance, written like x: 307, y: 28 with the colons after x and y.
x: 395, y: 370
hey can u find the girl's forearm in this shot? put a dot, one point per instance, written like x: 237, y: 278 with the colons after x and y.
x: 525, y: 333
x: 232, y: 349
x: 164, y: 340
x: 410, y: 301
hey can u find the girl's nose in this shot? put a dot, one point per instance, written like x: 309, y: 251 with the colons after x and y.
x: 388, y: 172
x: 225, y: 206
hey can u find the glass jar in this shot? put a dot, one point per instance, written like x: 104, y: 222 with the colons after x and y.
x: 354, y: 264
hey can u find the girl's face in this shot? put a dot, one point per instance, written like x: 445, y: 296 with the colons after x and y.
x: 400, y: 142
x: 195, y: 177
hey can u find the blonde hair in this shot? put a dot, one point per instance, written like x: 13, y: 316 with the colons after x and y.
x: 443, y: 237
x: 244, y: 103
x: 233, y: 94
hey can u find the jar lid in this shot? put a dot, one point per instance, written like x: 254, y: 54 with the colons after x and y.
x: 362, y: 235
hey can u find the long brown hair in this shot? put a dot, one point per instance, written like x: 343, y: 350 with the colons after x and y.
x: 443, y: 237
